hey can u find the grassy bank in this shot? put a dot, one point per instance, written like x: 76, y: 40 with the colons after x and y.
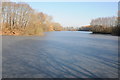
x: 18, y: 32
x: 106, y: 30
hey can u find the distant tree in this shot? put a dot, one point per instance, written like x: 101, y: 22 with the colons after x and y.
x: 105, y: 25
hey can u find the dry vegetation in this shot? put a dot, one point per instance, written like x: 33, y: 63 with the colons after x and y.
x: 85, y: 28
x: 106, y: 25
x: 21, y: 19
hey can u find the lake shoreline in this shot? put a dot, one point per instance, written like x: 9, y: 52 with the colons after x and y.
x: 14, y: 33
x: 104, y: 33
x: 42, y: 33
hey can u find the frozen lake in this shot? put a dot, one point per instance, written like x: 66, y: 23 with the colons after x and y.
x: 60, y: 55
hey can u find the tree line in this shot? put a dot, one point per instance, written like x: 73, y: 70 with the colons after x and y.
x: 21, y: 18
x: 105, y: 25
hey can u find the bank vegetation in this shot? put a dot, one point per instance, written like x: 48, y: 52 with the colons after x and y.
x: 21, y: 19
x: 106, y: 25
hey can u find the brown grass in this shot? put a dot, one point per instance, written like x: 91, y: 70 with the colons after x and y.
x: 18, y: 32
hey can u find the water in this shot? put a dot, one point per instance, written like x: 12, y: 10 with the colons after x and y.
x: 60, y: 55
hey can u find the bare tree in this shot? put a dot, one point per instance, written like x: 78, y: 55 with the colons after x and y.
x: 22, y: 17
